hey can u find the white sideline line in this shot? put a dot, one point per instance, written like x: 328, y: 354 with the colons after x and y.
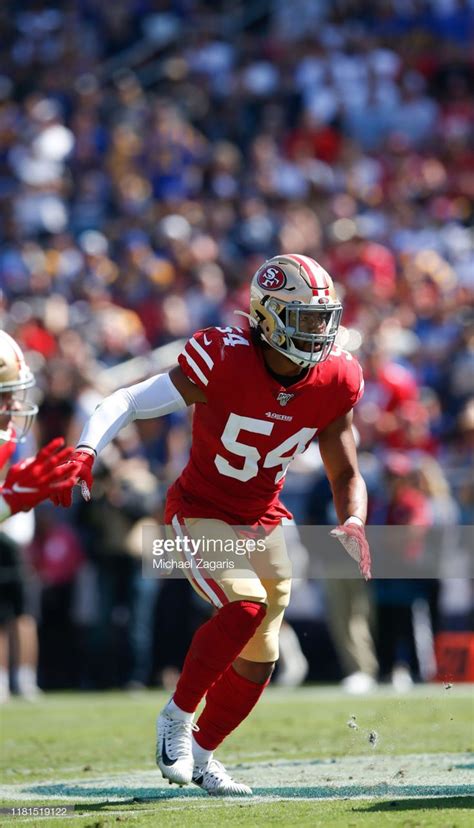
x: 370, y: 772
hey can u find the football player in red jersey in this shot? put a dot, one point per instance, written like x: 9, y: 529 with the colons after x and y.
x: 261, y: 396
x: 37, y: 478
x: 27, y: 483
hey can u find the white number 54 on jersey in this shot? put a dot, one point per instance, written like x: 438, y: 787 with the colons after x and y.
x: 282, y: 455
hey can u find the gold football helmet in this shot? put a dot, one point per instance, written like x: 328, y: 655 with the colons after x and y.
x: 16, y: 412
x: 295, y: 307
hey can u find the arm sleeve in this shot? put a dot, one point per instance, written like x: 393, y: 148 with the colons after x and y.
x: 154, y: 397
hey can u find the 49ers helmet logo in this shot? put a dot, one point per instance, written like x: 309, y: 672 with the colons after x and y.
x: 272, y: 278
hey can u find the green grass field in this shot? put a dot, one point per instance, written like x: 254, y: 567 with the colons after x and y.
x: 95, y: 754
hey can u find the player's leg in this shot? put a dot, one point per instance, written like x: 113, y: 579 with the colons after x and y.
x: 4, y: 657
x: 215, y: 645
x: 349, y: 615
x: 14, y: 638
x: 6, y: 613
x: 293, y: 666
x: 234, y: 695
x: 27, y: 642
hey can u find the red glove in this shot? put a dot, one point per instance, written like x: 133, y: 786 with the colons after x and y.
x: 84, y: 461
x: 352, y: 537
x: 37, y: 478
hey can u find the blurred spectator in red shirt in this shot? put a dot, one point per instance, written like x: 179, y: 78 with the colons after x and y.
x: 56, y: 553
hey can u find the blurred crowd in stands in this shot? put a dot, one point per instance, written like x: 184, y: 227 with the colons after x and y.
x: 152, y: 154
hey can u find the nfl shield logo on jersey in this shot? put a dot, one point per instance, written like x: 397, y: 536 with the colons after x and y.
x: 284, y: 398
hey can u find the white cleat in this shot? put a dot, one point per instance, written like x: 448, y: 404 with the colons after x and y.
x: 4, y: 695
x: 174, y: 755
x: 402, y: 681
x: 293, y: 671
x: 214, y: 779
x: 358, y: 683
x: 30, y: 694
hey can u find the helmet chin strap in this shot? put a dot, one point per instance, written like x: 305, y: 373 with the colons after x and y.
x: 301, y: 362
x: 253, y: 322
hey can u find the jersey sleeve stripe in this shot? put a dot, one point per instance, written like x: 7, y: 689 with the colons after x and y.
x: 195, y: 367
x: 202, y: 353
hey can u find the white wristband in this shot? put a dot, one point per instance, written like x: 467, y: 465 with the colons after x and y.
x: 354, y: 519
x: 86, y: 449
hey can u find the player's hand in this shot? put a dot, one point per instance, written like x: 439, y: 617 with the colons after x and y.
x: 36, y: 479
x: 84, y: 461
x: 352, y: 537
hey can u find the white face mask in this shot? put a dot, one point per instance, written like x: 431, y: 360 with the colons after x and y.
x: 17, y: 415
x: 304, y: 334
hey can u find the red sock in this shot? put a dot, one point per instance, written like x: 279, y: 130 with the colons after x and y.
x: 228, y: 702
x: 214, y: 646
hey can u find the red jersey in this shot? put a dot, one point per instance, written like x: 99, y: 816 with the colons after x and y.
x: 251, y: 427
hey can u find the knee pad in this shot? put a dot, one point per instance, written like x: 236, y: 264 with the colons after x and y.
x: 278, y: 593
x: 240, y: 619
